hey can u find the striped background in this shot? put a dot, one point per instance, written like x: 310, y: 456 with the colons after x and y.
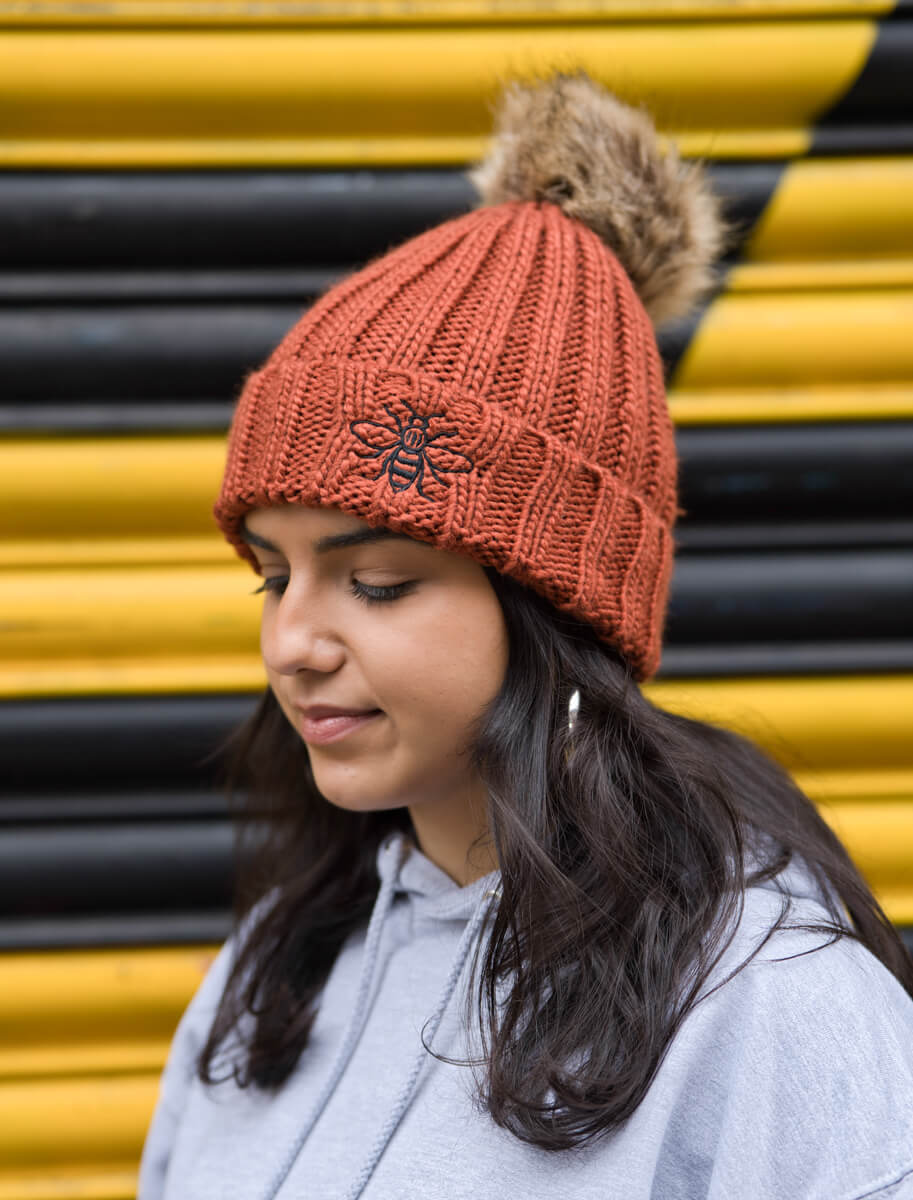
x: 177, y: 182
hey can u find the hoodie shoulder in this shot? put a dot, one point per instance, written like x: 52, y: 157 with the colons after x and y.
x: 796, y: 1071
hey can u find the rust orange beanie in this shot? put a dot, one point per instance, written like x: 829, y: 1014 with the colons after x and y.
x: 493, y: 386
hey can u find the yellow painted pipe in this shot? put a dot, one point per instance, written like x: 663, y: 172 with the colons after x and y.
x: 133, y: 488
x: 797, y: 340
x: 837, y: 209
x: 869, y: 785
x: 897, y: 902
x: 833, y: 224
x: 133, y: 674
x: 880, y: 838
x: 729, y: 406
x: 790, y: 275
x: 425, y: 12
x: 807, y: 723
x: 71, y: 1181
x: 80, y: 995
x: 400, y: 95
x: 152, y: 612
x: 75, y: 1060
x: 107, y: 551
x: 67, y: 1121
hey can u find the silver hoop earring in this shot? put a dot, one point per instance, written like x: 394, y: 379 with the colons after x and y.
x: 572, y: 709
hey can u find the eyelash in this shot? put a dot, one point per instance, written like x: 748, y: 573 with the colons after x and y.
x: 362, y: 591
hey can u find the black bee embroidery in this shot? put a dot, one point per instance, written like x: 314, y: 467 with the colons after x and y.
x: 410, y: 450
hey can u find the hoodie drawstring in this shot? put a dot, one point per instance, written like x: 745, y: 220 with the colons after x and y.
x: 404, y: 1098
x: 382, y: 906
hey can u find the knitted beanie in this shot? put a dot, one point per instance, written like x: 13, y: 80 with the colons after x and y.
x: 493, y: 386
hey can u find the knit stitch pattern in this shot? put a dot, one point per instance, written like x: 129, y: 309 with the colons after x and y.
x: 492, y: 387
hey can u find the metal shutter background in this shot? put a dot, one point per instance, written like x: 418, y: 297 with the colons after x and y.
x: 177, y: 182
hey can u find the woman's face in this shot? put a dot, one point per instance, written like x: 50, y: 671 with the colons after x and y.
x: 410, y: 637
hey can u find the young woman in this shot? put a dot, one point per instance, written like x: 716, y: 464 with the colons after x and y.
x: 512, y: 931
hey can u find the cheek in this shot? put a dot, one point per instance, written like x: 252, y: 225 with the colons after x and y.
x: 275, y: 682
x: 451, y: 664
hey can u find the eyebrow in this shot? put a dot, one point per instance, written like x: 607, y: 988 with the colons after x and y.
x: 335, y: 541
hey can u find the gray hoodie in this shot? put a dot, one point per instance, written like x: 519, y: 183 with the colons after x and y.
x: 793, y: 1081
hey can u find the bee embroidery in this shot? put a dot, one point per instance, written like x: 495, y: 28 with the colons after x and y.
x: 410, y: 450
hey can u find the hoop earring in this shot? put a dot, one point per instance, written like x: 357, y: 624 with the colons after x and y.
x: 572, y: 709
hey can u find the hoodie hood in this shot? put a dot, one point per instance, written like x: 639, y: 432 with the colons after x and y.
x: 433, y: 894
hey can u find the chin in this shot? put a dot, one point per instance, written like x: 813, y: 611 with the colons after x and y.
x: 353, y: 798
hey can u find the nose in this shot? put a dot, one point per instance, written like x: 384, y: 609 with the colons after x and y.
x: 296, y: 635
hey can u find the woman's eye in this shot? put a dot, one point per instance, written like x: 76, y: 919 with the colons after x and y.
x: 275, y: 583
x: 379, y: 595
x: 366, y: 592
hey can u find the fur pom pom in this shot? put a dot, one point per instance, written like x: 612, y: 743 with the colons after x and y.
x: 569, y: 141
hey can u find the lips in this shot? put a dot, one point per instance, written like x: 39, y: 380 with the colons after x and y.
x: 317, y: 712
x: 323, y: 723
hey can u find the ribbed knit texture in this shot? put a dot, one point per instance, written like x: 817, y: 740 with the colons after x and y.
x: 492, y: 387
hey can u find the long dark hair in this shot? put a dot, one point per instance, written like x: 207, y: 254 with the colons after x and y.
x: 622, y: 846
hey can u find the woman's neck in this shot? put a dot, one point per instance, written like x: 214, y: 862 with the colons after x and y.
x: 455, y: 837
